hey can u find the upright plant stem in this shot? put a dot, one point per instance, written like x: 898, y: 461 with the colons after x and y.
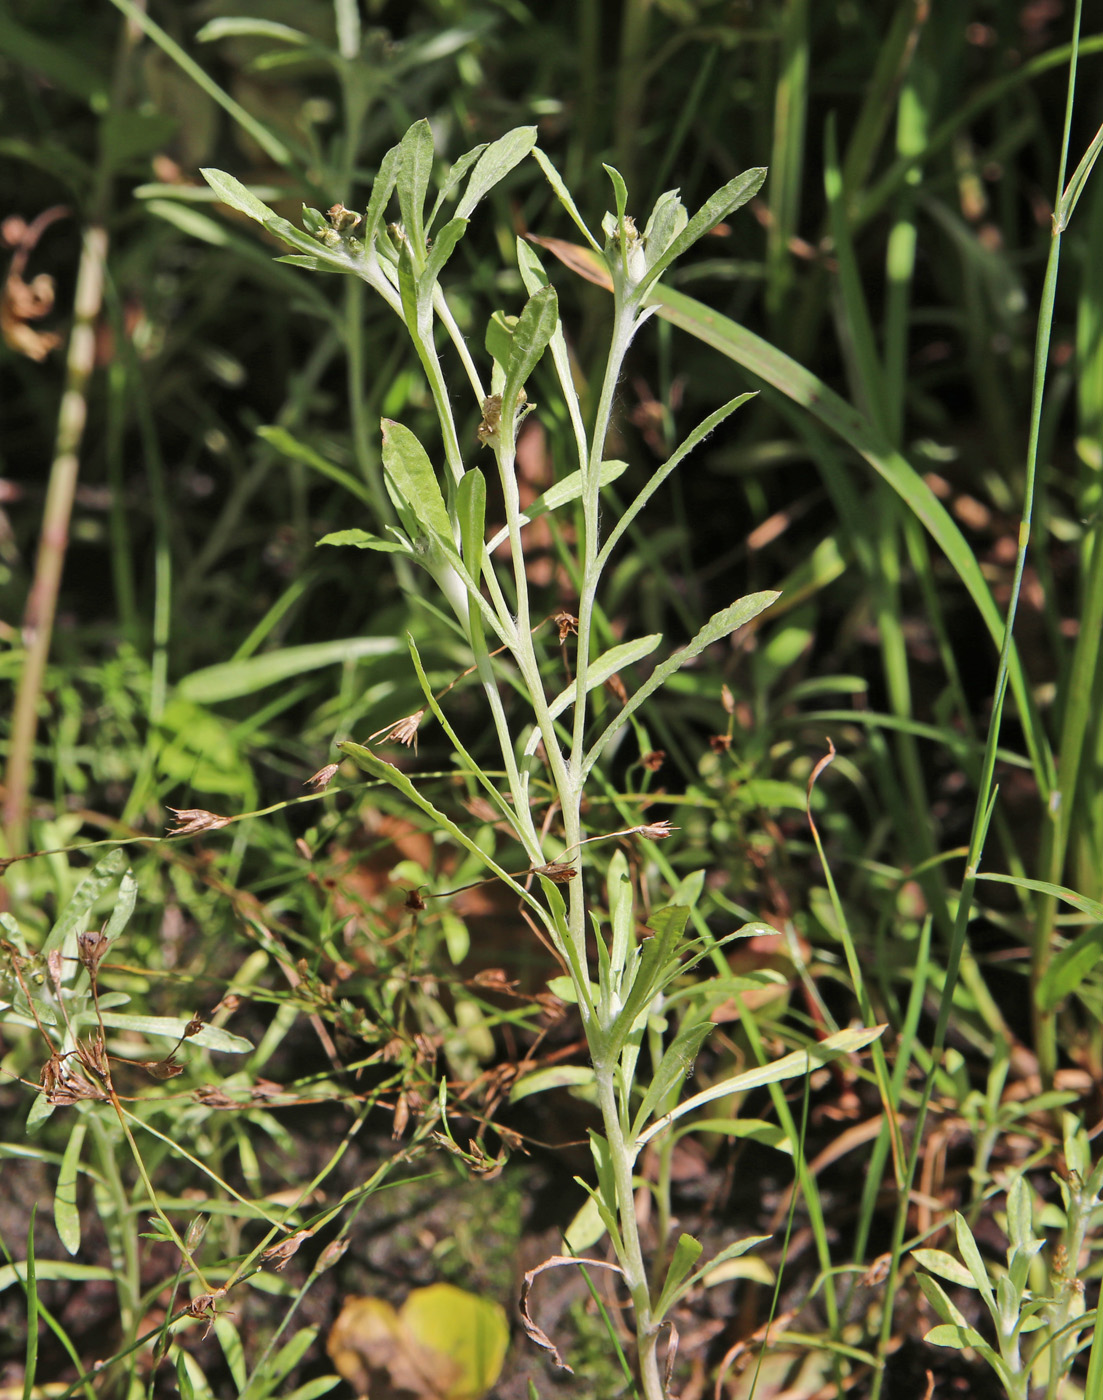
x: 38, y: 618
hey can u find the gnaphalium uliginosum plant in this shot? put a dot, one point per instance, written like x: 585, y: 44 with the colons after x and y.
x: 439, y: 523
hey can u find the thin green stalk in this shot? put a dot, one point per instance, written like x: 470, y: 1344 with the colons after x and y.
x: 635, y: 1271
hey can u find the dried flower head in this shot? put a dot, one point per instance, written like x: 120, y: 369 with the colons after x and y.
x: 655, y: 831
x: 284, y: 1250
x: 189, y: 820
x: 405, y: 731
x: 567, y: 624
x: 91, y: 947
x: 321, y: 780
x: 720, y: 743
x: 558, y: 871
x: 653, y: 760
x: 415, y: 901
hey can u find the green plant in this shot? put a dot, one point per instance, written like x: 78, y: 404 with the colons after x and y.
x: 563, y: 730
x: 1027, y: 1301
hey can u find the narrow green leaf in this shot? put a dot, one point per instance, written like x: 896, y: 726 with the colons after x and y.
x: 415, y: 167
x: 183, y: 1377
x: 620, y: 190
x: 496, y: 162
x: 386, y: 772
x: 658, y: 963
x: 790, y: 1066
x: 677, y: 1062
x: 66, y: 1213
x: 809, y: 392
x: 76, y: 914
x: 725, y: 201
x: 686, y: 1253
x: 361, y: 539
x: 757, y: 1129
x: 720, y: 625
x: 290, y: 446
x: 30, y: 1365
x: 413, y: 481
x: 290, y: 1354
x: 563, y: 194
x: 456, y: 173
x: 237, y: 195
x: 311, y: 1390
x: 232, y: 1349
x: 471, y: 510
x: 950, y: 1334
x: 606, y: 665
x: 967, y: 1248
x: 569, y: 489
x: 535, y: 327
x: 945, y: 1266
x: 443, y: 247
x: 209, y: 1037
x: 556, y: 1077
x: 232, y: 27
x: 1091, y: 907
x: 732, y: 1251
x: 381, y: 191
x: 54, y: 1269
x: 586, y: 1229
x: 1070, y: 968
x: 231, y: 679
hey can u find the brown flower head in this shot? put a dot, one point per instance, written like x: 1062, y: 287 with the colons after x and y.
x: 190, y: 820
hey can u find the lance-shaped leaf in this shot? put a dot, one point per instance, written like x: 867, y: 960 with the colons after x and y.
x: 237, y: 196
x: 496, y: 162
x: 471, y: 509
x: 677, y: 1062
x: 459, y: 169
x: 569, y: 489
x: 720, y: 625
x: 788, y: 1067
x: 289, y: 446
x: 75, y: 915
x: 606, y: 665
x: 686, y: 1253
x: 443, y: 247
x: 724, y: 202
x: 535, y: 327
x: 413, y: 487
x: 361, y: 539
x: 386, y: 772
x: 381, y: 191
x: 414, y: 168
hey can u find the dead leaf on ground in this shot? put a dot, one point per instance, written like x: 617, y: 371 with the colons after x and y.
x: 443, y: 1344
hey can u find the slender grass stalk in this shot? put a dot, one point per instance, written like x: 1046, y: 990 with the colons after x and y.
x: 38, y: 618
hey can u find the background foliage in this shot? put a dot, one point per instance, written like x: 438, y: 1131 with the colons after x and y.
x: 205, y: 654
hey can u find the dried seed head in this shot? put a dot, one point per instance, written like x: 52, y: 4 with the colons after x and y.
x: 332, y: 1254
x: 655, y: 831
x: 720, y: 743
x: 168, y: 1068
x: 405, y: 731
x: 415, y: 901
x: 91, y: 947
x: 280, y: 1253
x: 194, y: 1026
x: 653, y: 760
x: 559, y: 872
x: 567, y: 624
x: 727, y: 699
x: 189, y: 820
x: 321, y: 780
